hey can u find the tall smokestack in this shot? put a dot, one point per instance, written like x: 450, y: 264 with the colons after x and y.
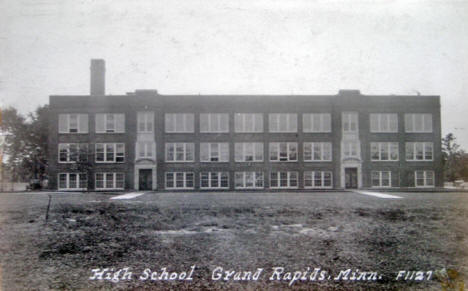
x: 98, y: 77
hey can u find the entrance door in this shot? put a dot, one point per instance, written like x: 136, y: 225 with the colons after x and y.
x: 351, y: 178
x: 145, y: 179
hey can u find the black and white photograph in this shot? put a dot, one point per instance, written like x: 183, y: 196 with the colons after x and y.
x: 233, y: 145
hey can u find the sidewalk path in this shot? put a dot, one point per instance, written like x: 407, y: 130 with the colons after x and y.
x: 128, y: 195
x: 378, y: 194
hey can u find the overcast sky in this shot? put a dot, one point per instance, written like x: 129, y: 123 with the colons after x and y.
x: 238, y: 47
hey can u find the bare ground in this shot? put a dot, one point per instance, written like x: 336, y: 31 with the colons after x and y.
x: 237, y: 232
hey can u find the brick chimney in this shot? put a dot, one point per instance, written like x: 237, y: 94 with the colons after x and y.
x: 98, y: 77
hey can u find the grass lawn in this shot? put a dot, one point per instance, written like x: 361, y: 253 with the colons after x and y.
x: 234, y: 231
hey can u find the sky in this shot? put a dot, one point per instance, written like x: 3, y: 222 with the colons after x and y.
x: 238, y: 47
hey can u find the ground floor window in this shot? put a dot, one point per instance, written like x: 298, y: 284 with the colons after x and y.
x: 246, y: 180
x: 284, y: 179
x: 424, y: 178
x: 214, y: 180
x: 381, y: 178
x: 110, y: 181
x: 179, y: 180
x: 72, y: 181
x: 317, y: 179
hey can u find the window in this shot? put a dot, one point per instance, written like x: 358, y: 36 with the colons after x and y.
x: 214, y: 122
x: 283, y: 151
x: 316, y: 122
x: 351, y: 149
x: 381, y: 178
x: 283, y: 179
x: 73, y: 123
x: 248, y: 152
x: 110, y: 123
x: 283, y: 122
x: 384, y: 151
x: 179, y: 180
x: 317, y: 151
x: 110, y: 153
x: 180, y: 152
x: 424, y: 178
x: 248, y: 180
x: 419, y: 151
x: 145, y: 121
x: 248, y: 122
x: 383, y: 122
x: 350, y: 121
x: 106, y: 181
x: 214, y: 152
x: 179, y: 122
x: 72, y: 181
x: 145, y: 150
x: 73, y: 152
x: 317, y: 179
x: 214, y: 180
x: 418, y: 122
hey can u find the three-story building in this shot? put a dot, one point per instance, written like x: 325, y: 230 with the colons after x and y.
x: 148, y: 141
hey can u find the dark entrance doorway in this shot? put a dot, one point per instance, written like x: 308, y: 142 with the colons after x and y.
x: 145, y: 177
x: 351, y: 178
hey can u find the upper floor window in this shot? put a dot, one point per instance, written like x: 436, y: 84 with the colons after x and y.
x: 317, y: 151
x: 248, y: 122
x: 418, y: 122
x: 180, y: 152
x: 384, y: 151
x: 73, y: 123
x: 248, y: 152
x: 316, y: 122
x: 179, y: 122
x: 214, y: 152
x: 384, y: 122
x: 214, y: 122
x: 283, y: 122
x: 73, y: 152
x: 350, y: 149
x: 110, y: 152
x: 419, y: 151
x: 145, y: 149
x: 283, y: 151
x: 145, y: 121
x: 110, y: 122
x: 424, y: 178
x: 350, y: 122
x: 72, y: 181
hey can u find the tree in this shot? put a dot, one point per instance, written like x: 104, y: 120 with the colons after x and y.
x: 454, y: 159
x: 25, y: 145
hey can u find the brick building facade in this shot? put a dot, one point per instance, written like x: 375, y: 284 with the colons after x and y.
x: 147, y: 141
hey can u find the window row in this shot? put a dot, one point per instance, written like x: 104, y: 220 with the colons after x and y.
x: 79, y: 181
x: 383, y: 179
x: 248, y: 180
x: 248, y: 152
x: 245, y: 122
x: 242, y: 180
x: 105, y: 123
x: 244, y: 152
